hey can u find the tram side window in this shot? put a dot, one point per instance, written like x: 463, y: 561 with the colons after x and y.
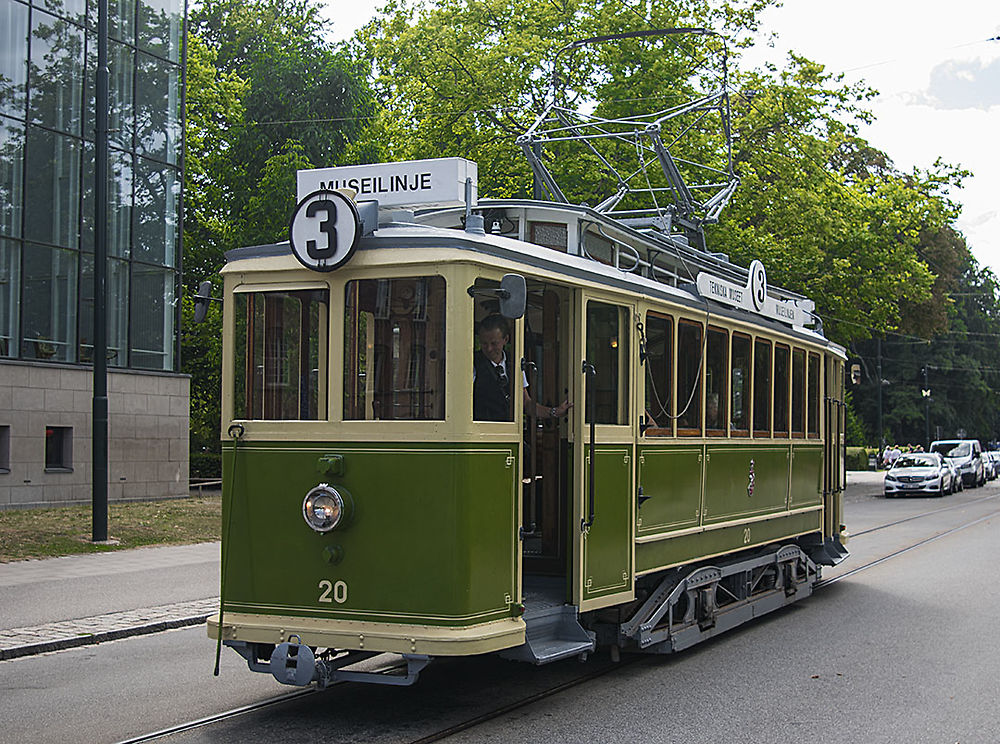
x: 781, y: 375
x: 740, y: 386
x: 798, y: 393
x: 607, y: 349
x: 716, y: 369
x: 394, y: 344
x: 812, y: 425
x: 280, y: 355
x: 659, y: 373
x: 689, y: 350
x: 762, y: 388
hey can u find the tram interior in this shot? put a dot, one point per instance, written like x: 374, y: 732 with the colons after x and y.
x: 545, y: 444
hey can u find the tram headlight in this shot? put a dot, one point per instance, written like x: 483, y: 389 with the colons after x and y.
x: 325, y: 507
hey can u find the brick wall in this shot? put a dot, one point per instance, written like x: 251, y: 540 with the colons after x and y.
x: 147, y: 434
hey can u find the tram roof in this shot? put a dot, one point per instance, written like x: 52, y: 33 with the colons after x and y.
x: 423, y: 233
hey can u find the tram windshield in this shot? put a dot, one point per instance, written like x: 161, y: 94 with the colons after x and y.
x: 394, y: 334
x: 280, y: 348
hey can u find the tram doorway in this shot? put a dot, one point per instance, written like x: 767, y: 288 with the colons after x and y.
x: 547, y: 344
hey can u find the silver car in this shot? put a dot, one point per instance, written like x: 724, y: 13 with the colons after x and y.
x: 919, y: 473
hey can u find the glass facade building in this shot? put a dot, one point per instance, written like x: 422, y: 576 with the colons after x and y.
x: 48, y: 60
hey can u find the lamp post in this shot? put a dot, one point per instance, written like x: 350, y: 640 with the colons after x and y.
x: 926, y: 393
x: 99, y: 424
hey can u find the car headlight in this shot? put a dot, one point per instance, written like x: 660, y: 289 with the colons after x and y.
x: 325, y: 507
x: 889, y: 477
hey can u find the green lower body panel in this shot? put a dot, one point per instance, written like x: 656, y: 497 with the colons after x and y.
x: 432, y: 540
x: 712, y: 540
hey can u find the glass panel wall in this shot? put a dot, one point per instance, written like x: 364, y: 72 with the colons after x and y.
x: 55, y: 70
x: 158, y: 108
x: 14, y: 57
x: 153, y: 317
x: 11, y: 176
x: 157, y: 213
x: 52, y: 190
x: 10, y: 292
x: 117, y: 310
x: 47, y: 77
x: 119, y: 223
x: 160, y: 26
x: 49, y: 306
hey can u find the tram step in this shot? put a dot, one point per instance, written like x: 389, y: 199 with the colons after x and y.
x: 552, y: 633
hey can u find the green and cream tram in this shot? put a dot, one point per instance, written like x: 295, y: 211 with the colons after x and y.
x: 695, y: 481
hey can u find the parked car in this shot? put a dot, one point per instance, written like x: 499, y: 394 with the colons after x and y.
x: 919, y: 472
x: 957, y: 484
x: 992, y: 463
x: 966, y: 455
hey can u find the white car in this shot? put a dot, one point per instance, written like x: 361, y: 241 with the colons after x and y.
x: 919, y: 473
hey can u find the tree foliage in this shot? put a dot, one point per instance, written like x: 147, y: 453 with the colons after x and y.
x: 266, y: 96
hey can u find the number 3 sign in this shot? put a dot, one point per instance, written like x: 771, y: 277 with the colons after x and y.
x: 325, y: 230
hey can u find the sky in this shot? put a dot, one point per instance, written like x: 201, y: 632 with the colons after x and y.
x: 937, y: 73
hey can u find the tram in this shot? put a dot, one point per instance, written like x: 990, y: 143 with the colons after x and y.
x: 665, y: 461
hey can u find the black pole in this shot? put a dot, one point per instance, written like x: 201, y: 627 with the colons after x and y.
x: 99, y: 459
x: 927, y: 410
x: 881, y: 435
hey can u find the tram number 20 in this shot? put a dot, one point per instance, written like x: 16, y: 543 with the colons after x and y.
x: 333, y: 592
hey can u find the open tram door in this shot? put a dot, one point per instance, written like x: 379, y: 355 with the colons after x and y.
x: 604, y: 423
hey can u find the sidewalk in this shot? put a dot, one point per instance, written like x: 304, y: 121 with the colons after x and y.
x: 61, y: 598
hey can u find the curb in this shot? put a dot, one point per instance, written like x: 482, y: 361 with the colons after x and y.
x: 89, y: 639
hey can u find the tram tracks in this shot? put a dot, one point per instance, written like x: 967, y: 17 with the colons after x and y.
x: 501, y: 710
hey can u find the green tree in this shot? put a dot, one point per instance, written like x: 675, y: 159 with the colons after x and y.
x: 466, y: 77
x: 266, y: 96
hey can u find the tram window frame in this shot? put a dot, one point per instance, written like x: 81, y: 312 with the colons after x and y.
x: 689, y: 397
x: 262, y: 389
x: 780, y: 399
x: 659, y: 359
x: 743, y: 403
x: 798, y: 407
x: 762, y: 393
x: 605, y: 352
x: 425, y: 361
x: 813, y: 395
x: 716, y: 380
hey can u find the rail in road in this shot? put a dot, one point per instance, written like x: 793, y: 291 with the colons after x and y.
x: 991, y: 503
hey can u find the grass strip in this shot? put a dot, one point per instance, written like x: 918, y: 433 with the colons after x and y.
x: 49, y: 532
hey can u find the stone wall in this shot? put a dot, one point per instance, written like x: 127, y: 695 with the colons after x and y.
x: 147, y: 434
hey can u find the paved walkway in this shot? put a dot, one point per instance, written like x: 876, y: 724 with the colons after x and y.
x: 61, y: 589
x: 89, y: 630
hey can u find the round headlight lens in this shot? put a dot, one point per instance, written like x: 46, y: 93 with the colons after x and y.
x: 323, y: 508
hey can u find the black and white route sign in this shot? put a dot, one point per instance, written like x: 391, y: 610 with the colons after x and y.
x: 325, y: 230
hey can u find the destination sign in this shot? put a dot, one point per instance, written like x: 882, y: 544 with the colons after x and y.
x: 752, y: 297
x: 438, y: 182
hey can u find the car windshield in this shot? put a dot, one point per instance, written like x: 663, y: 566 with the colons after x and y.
x: 916, y: 461
x: 952, y: 449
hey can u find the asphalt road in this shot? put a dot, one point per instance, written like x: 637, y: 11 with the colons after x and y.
x: 900, y: 652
